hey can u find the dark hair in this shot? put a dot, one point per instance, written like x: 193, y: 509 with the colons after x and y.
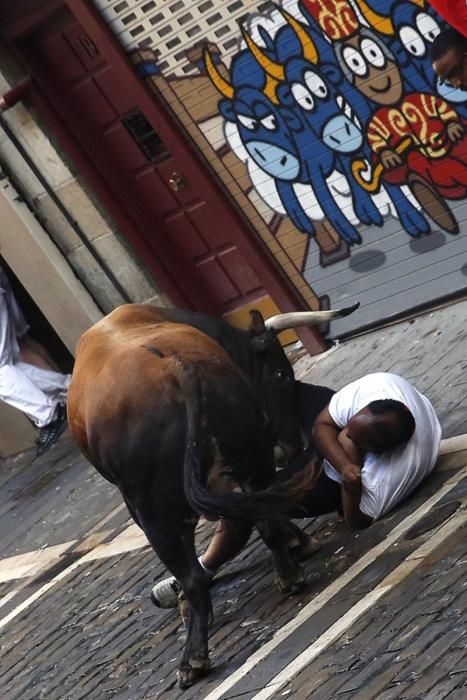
x: 446, y: 40
x: 405, y: 420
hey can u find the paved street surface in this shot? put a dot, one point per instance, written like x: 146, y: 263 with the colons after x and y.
x: 383, y: 615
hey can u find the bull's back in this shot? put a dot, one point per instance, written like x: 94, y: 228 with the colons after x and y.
x: 127, y: 374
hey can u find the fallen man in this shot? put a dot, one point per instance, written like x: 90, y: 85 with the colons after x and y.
x: 379, y: 438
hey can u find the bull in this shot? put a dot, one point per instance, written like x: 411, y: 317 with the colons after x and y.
x: 176, y: 408
x: 332, y: 134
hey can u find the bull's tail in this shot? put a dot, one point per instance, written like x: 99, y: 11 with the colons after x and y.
x: 271, y: 503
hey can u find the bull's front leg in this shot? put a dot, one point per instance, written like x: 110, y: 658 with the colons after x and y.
x: 280, y: 538
x: 195, y: 592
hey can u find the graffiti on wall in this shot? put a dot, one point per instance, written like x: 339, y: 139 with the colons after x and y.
x: 334, y: 108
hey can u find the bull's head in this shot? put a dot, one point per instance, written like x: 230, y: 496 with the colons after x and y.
x: 273, y: 375
x: 308, y: 89
x: 265, y: 130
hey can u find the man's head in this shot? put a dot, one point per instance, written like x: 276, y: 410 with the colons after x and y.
x: 381, y: 426
x: 449, y: 58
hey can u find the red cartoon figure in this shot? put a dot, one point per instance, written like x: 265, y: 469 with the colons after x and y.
x: 416, y: 139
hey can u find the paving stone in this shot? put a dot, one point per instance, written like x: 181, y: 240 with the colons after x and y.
x: 417, y: 653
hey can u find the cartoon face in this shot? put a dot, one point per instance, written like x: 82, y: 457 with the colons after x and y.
x: 266, y: 132
x: 324, y: 112
x: 370, y: 67
x: 417, y: 37
x: 343, y: 133
x: 415, y: 32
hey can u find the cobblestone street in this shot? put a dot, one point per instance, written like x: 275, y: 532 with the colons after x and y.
x: 383, y: 615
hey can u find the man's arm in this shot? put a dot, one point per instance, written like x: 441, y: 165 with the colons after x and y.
x: 334, y: 444
x: 351, y: 495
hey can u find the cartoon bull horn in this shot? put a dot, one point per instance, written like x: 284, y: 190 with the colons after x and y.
x: 382, y: 24
x: 224, y: 87
x: 275, y: 70
x: 283, y: 322
x: 308, y: 47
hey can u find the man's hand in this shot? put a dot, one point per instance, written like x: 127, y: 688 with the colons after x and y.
x: 351, y: 476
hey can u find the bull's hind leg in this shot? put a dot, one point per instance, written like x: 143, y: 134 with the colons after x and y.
x: 173, y: 542
x: 288, y: 572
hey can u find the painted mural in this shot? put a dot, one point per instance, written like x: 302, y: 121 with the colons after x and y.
x: 336, y: 112
x: 327, y: 126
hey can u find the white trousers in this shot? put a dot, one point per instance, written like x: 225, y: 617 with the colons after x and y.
x: 33, y: 390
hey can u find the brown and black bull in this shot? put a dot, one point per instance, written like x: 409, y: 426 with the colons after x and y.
x: 176, y: 408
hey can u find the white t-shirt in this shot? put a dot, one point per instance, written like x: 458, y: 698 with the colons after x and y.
x: 388, y: 478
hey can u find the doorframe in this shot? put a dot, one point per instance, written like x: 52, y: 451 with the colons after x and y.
x: 106, y: 196
x: 270, y: 274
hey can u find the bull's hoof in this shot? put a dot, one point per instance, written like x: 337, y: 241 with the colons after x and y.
x: 290, y: 586
x: 187, y: 675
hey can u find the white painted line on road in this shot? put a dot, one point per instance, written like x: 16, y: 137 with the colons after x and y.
x: 33, y: 563
x: 322, y: 598
x: 39, y: 593
x: 7, y: 597
x: 24, y: 565
x: 138, y: 541
x: 30, y: 563
x: 127, y: 541
x: 342, y: 625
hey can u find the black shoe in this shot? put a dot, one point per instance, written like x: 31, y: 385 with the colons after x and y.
x: 50, y: 433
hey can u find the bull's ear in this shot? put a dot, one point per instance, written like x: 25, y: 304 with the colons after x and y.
x: 293, y: 121
x: 260, y: 338
x: 257, y: 325
x: 331, y: 72
x: 227, y: 110
x: 403, y: 57
x: 284, y: 94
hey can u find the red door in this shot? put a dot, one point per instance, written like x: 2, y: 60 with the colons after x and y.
x: 160, y: 192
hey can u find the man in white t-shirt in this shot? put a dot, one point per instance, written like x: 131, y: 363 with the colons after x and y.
x: 379, y: 438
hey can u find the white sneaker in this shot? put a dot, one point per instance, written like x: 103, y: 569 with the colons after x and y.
x: 165, y: 593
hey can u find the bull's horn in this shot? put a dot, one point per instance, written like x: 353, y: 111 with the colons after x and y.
x: 308, y: 47
x: 379, y: 22
x: 282, y: 322
x: 224, y: 87
x: 270, y: 89
x: 275, y: 70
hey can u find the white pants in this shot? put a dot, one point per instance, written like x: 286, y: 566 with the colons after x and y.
x: 33, y: 390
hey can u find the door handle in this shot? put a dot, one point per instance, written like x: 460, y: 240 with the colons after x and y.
x: 177, y: 182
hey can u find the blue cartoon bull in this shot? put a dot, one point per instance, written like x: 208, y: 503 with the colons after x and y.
x: 267, y: 131
x: 366, y: 63
x: 333, y: 134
